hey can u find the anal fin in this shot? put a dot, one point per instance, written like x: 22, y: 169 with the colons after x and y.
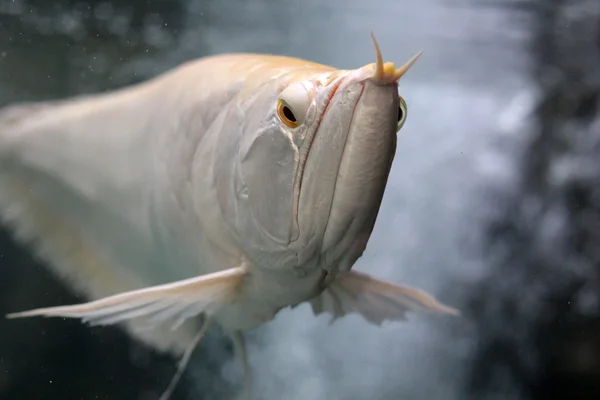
x: 187, y: 355
x: 375, y: 300
x: 242, y: 353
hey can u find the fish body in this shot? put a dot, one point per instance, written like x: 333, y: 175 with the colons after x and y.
x: 228, y: 188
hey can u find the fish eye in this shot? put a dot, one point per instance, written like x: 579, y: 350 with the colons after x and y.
x: 402, y: 111
x: 289, y: 114
x: 292, y: 105
x: 286, y: 115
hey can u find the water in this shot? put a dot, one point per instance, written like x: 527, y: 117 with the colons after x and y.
x: 466, y: 96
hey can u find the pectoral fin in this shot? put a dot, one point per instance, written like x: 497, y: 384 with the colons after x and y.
x: 157, y: 304
x: 375, y: 300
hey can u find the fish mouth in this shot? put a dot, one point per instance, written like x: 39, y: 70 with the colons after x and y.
x: 365, y: 162
x: 330, y: 96
x: 362, y: 174
x: 300, y: 174
x: 380, y: 73
x: 345, y: 171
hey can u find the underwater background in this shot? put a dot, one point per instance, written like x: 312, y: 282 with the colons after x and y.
x: 493, y: 203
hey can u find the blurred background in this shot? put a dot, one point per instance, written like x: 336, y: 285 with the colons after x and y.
x: 492, y: 205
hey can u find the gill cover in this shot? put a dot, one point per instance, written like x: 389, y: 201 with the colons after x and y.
x: 269, y: 155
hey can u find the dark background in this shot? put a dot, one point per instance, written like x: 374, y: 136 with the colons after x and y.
x: 493, y: 202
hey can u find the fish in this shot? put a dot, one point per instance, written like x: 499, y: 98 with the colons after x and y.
x: 219, y: 192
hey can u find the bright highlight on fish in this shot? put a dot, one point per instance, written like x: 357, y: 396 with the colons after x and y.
x: 220, y: 192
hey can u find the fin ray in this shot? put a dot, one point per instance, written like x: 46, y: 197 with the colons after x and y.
x: 376, y: 300
x: 184, y: 299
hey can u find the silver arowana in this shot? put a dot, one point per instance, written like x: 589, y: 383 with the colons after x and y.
x: 222, y: 191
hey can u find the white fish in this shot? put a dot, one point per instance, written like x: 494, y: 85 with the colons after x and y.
x: 224, y: 190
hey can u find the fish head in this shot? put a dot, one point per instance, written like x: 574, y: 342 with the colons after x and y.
x: 316, y: 149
